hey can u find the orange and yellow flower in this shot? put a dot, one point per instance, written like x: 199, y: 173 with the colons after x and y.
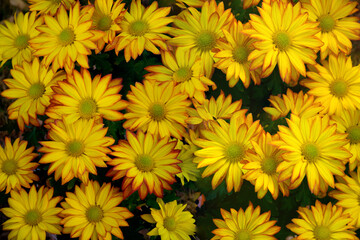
x: 49, y: 6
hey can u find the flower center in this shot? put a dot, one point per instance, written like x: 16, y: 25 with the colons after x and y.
x: 138, y: 28
x: 144, y: 163
x: 322, y: 233
x: 339, y: 88
x: 235, y: 152
x: 206, y: 41
x: 94, y: 214
x: 182, y: 74
x: 282, y: 40
x: 269, y: 165
x: 169, y: 223
x: 354, y: 134
x: 67, y: 36
x: 243, y: 235
x: 157, y: 111
x: 36, y: 90
x: 21, y: 41
x: 32, y: 217
x: 75, y: 148
x: 9, y: 167
x: 310, y: 151
x: 87, y: 108
x: 327, y: 23
x: 240, y: 54
x: 104, y: 23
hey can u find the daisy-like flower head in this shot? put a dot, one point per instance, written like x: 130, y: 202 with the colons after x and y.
x: 15, y: 37
x: 200, y: 31
x: 76, y: 149
x: 337, y: 25
x: 16, y: 168
x: 322, y: 222
x: 31, y: 87
x: 172, y: 222
x: 66, y: 38
x: 84, y: 98
x: 284, y: 36
x: 185, y: 70
x: 243, y: 225
x: 299, y: 104
x: 157, y: 109
x: 348, y: 194
x: 147, y: 163
x: 312, y: 148
x: 49, y: 6
x: 142, y: 28
x: 93, y: 212
x: 262, y: 166
x: 335, y: 84
x: 224, y: 150
x: 32, y: 214
x: 233, y: 55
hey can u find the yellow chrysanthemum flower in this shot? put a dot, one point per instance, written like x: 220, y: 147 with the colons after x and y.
x: 232, y: 55
x: 322, y: 222
x: 83, y: 98
x: 49, y: 6
x: 157, y: 109
x: 66, y: 38
x: 93, y: 212
x: 142, y: 28
x: 336, y: 23
x: 248, y: 224
x: 262, y: 166
x: 16, y: 168
x: 224, y: 150
x: 148, y: 164
x: 31, y: 86
x: 32, y: 214
x: 349, y: 123
x: 284, y: 37
x: 76, y: 149
x: 299, y: 104
x: 348, y: 193
x: 335, y: 84
x: 15, y: 37
x: 172, y: 222
x: 185, y: 70
x: 200, y: 31
x: 312, y: 148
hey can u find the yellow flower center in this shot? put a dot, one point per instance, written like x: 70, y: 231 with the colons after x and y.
x: 22, y: 41
x: 157, y: 111
x: 354, y: 134
x: 183, y: 74
x: 339, y: 88
x: 144, y: 163
x: 235, y: 152
x: 67, y: 36
x: 36, y: 90
x: 138, y: 28
x: 243, y: 235
x: 206, y: 41
x: 327, y: 23
x: 169, y: 223
x: 94, y: 214
x: 282, y: 40
x: 9, y: 167
x: 75, y: 148
x: 240, y: 54
x: 104, y: 23
x: 269, y: 165
x: 33, y: 217
x: 310, y: 151
x: 87, y: 108
x: 322, y: 233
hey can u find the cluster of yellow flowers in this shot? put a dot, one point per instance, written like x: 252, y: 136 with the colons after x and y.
x: 172, y: 128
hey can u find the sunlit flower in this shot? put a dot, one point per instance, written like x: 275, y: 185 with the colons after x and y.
x: 49, y: 6
x: 172, y: 222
